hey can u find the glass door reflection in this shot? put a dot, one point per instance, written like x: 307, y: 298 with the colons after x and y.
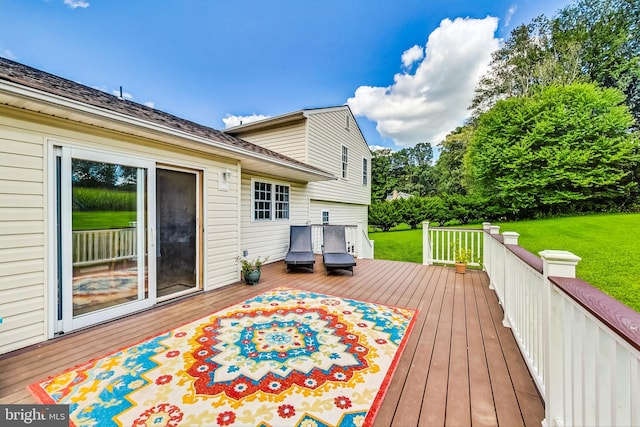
x: 108, y: 211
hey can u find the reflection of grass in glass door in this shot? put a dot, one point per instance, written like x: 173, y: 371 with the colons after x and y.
x: 104, y: 215
x: 101, y: 220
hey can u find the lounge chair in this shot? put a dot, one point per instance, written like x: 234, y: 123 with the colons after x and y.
x: 334, y: 249
x: 300, y: 248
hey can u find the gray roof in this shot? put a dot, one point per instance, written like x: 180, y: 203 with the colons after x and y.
x: 24, y: 75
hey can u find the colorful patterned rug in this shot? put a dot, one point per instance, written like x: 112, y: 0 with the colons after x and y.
x: 283, y: 358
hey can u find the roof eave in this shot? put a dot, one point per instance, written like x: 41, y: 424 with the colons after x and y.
x: 65, y: 107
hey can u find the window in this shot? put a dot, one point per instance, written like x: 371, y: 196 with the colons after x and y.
x: 325, y: 217
x: 347, y: 123
x: 261, y: 201
x: 282, y: 202
x: 345, y: 161
x: 270, y: 201
x: 364, y: 172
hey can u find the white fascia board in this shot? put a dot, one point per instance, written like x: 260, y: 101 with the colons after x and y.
x: 74, y: 106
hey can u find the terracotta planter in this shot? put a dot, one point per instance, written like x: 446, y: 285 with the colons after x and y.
x: 461, y: 267
x: 252, y: 278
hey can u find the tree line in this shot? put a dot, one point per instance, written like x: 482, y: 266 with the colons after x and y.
x: 554, y: 129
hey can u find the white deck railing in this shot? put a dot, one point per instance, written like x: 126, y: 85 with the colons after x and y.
x: 358, y: 243
x: 440, y: 244
x: 582, y: 347
x: 92, y: 247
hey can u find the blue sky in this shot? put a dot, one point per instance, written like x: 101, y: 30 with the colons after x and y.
x: 406, y: 68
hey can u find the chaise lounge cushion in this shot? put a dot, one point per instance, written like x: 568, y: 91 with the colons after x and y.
x: 300, y: 247
x: 334, y: 249
x: 343, y: 260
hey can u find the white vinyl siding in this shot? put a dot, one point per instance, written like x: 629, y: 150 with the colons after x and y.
x: 22, y: 234
x: 288, y: 140
x: 270, y: 238
x: 327, y: 134
x: 340, y: 213
x: 24, y: 217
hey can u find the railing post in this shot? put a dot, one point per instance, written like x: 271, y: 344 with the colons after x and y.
x: 358, y: 239
x: 508, y: 238
x: 493, y: 229
x: 486, y: 255
x: 561, y: 264
x: 426, y: 245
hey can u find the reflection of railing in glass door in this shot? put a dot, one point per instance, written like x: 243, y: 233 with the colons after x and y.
x: 92, y: 247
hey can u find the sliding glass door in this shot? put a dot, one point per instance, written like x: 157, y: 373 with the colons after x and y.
x: 104, y: 208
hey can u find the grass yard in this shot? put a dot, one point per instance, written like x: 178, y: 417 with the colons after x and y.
x: 399, y: 245
x: 101, y: 220
x: 609, y: 246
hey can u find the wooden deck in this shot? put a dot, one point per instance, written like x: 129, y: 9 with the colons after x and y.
x: 461, y: 367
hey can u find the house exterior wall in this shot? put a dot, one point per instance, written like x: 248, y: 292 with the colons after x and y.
x: 339, y: 213
x: 270, y: 238
x: 25, y: 243
x: 288, y: 140
x: 22, y: 237
x: 317, y: 139
x: 327, y: 133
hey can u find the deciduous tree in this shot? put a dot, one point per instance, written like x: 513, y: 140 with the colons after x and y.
x: 564, y: 149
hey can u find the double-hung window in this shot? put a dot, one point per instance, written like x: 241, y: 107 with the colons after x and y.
x: 365, y: 172
x: 282, y: 202
x: 345, y: 161
x: 325, y: 217
x: 270, y: 201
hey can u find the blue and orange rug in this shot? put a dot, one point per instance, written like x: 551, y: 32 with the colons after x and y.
x: 283, y: 358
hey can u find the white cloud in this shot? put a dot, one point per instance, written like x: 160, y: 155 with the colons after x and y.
x: 6, y: 53
x: 416, y: 53
x: 76, y: 3
x: 431, y: 102
x: 150, y: 104
x: 377, y: 147
x: 512, y: 10
x: 231, y: 120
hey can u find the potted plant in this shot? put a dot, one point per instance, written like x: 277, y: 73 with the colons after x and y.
x: 462, y: 257
x: 251, y: 269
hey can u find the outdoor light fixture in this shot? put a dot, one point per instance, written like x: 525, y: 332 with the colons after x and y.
x: 226, y: 175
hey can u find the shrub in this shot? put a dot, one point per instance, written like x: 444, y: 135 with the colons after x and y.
x: 98, y: 199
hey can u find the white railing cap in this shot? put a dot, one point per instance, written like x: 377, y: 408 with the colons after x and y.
x: 510, y: 237
x: 561, y: 256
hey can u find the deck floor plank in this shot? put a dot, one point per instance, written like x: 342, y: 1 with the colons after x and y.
x: 458, y: 400
x: 438, y: 339
x: 501, y: 385
x: 460, y: 366
x: 483, y: 412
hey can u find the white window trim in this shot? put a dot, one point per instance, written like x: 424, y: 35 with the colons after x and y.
x: 344, y: 166
x: 365, y: 171
x: 322, y: 212
x: 273, y: 200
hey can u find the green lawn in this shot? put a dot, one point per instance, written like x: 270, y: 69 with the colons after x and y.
x: 400, y: 245
x: 609, y: 246
x: 101, y: 220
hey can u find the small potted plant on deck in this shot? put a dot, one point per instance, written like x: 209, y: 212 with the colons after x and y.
x: 251, y: 269
x: 462, y: 257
